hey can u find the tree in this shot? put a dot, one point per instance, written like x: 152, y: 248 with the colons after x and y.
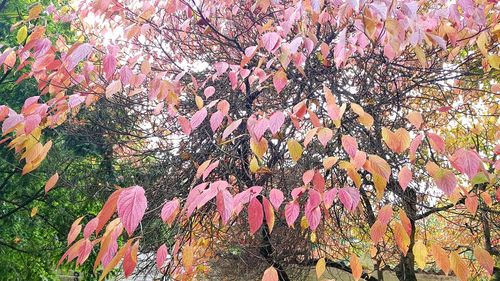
x: 291, y: 133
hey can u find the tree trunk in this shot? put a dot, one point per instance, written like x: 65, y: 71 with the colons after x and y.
x: 406, y: 267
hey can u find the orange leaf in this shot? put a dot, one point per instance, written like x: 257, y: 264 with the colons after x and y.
x: 398, y: 141
x: 51, y: 182
x: 459, y: 266
x: 188, y: 257
x: 441, y: 258
x: 484, y: 259
x: 270, y: 274
x: 356, y: 268
x: 402, y: 238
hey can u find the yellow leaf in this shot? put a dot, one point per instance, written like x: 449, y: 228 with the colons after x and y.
x: 51, y: 182
x: 459, y: 266
x: 320, y: 267
x: 482, y: 41
x: 199, y: 101
x: 494, y: 61
x: 295, y: 149
x: 34, y: 211
x: 356, y: 268
x: 22, y: 33
x: 420, y: 252
x: 258, y: 147
x: 380, y: 185
x: 254, y: 165
x: 420, y: 56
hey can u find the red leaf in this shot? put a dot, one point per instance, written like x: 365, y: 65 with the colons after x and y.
x: 185, y: 125
x: 130, y: 259
x: 445, y: 180
x: 209, y: 169
x: 107, y: 210
x: 31, y: 122
x: 76, y: 227
x: 131, y: 207
x: 255, y: 215
x: 385, y: 214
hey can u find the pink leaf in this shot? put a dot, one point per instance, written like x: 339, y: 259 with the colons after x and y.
x: 209, y: 169
x: 209, y: 91
x: 185, y: 125
x: 325, y: 135
x: 161, y: 256
x: 79, y: 53
x: 255, y: 215
x: 312, y: 210
x: 385, y: 214
x: 280, y: 80
x: 131, y: 207
x: 349, y: 197
x: 225, y: 204
x: 292, y: 210
x: 271, y: 41
x: 276, y: 120
x: 307, y: 176
x: 329, y: 196
x: 229, y: 129
x: 31, y: 122
x: 260, y: 128
x: 11, y: 122
x: 276, y: 197
x: 445, y: 180
x: 350, y: 145
x: 90, y: 227
x: 221, y: 67
x: 466, y: 162
x: 404, y: 177
x: 437, y: 143
x: 169, y: 211
x: 198, y: 118
x: 216, y: 120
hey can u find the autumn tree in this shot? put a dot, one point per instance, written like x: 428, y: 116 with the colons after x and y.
x: 287, y: 134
